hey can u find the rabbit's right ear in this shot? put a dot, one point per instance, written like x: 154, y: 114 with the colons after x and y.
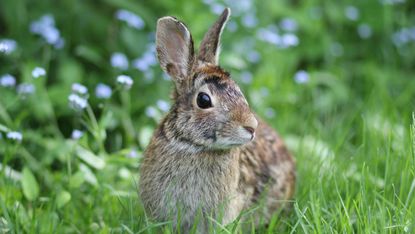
x: 174, y: 48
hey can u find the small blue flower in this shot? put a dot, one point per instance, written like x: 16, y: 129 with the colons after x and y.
x: 269, y: 35
x: 15, y: 136
x: 119, y: 60
x: 151, y: 112
x: 79, y: 89
x: 77, y: 103
x: 289, y: 25
x: 289, y: 40
x: 77, y: 134
x: 7, y: 80
x: 392, y: 2
x: 130, y: 18
x: 103, y: 91
x: 264, y: 91
x: 249, y: 20
x: 253, y: 56
x: 133, y: 154
x: 301, y: 77
x: 163, y: 105
x: 125, y: 81
x: 217, y: 8
x: 232, y: 26
x: 352, y: 13
x: 38, y: 72
x: 26, y: 89
x: 45, y: 27
x: 269, y: 112
x: 246, y: 77
x: 364, y: 31
x: 7, y: 46
x: 336, y: 49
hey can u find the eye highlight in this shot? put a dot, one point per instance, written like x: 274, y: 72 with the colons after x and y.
x: 203, y: 100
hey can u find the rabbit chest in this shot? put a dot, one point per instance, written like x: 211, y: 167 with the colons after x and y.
x: 189, y: 183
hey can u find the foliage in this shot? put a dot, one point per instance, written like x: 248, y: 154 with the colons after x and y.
x: 81, y: 92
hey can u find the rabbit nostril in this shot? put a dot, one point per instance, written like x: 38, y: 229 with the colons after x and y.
x: 250, y: 129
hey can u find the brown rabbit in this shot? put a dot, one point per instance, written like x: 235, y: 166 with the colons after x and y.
x: 210, y: 157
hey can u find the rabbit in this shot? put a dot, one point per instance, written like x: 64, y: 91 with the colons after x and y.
x: 210, y: 157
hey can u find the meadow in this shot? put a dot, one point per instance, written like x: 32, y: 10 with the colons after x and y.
x: 81, y: 92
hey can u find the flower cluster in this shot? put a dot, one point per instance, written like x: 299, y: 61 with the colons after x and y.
x: 7, y: 46
x: 125, y: 81
x: 78, y: 99
x: 404, y: 36
x: 38, y: 72
x: 103, y: 91
x: 119, y: 60
x: 130, y: 18
x: 25, y: 89
x: 283, y: 37
x: 7, y: 80
x: 14, y: 136
x: 76, y: 134
x: 301, y: 77
x: 45, y: 27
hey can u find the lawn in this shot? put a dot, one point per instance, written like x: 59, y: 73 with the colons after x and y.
x: 81, y: 92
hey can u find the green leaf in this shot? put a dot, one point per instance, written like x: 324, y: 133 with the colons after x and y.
x: 29, y: 185
x: 76, y: 180
x: 3, y: 128
x: 88, y: 174
x: 63, y: 198
x: 144, y: 136
x: 90, y: 158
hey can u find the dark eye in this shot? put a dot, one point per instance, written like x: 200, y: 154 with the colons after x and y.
x: 203, y: 100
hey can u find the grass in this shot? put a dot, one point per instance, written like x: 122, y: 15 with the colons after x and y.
x: 350, y: 124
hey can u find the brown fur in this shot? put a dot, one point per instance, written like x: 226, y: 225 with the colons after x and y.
x: 203, y: 163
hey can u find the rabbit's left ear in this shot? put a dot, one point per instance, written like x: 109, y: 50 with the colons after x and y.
x: 210, y: 46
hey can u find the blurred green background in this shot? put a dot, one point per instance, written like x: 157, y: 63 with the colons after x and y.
x: 336, y: 78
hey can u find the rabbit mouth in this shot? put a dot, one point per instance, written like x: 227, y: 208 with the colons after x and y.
x: 238, y: 138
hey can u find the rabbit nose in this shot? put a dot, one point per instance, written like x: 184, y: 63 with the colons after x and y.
x: 251, y: 125
x: 250, y: 129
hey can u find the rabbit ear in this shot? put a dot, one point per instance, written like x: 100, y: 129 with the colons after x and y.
x: 209, y: 48
x: 174, y: 48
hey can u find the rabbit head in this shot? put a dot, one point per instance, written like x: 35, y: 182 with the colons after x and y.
x: 209, y: 108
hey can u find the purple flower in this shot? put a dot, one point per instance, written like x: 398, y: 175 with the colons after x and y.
x: 289, y: 40
x: 301, y: 77
x: 130, y: 18
x: 77, y: 134
x: 119, y: 60
x: 45, y: 27
x: 26, y: 89
x: 163, y: 105
x: 38, y: 72
x: 7, y: 46
x: 151, y: 112
x: 289, y: 25
x: 79, y: 89
x: 352, y: 13
x: 125, y: 81
x: 246, y: 77
x: 15, y: 136
x: 77, y: 102
x: 249, y: 20
x: 7, y: 80
x: 364, y: 31
x: 103, y: 91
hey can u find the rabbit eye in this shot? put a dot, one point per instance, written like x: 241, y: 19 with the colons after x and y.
x: 203, y: 100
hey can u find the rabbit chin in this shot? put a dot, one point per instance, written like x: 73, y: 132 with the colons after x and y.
x: 228, y: 142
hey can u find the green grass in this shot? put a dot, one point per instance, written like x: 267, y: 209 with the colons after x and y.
x: 351, y: 126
